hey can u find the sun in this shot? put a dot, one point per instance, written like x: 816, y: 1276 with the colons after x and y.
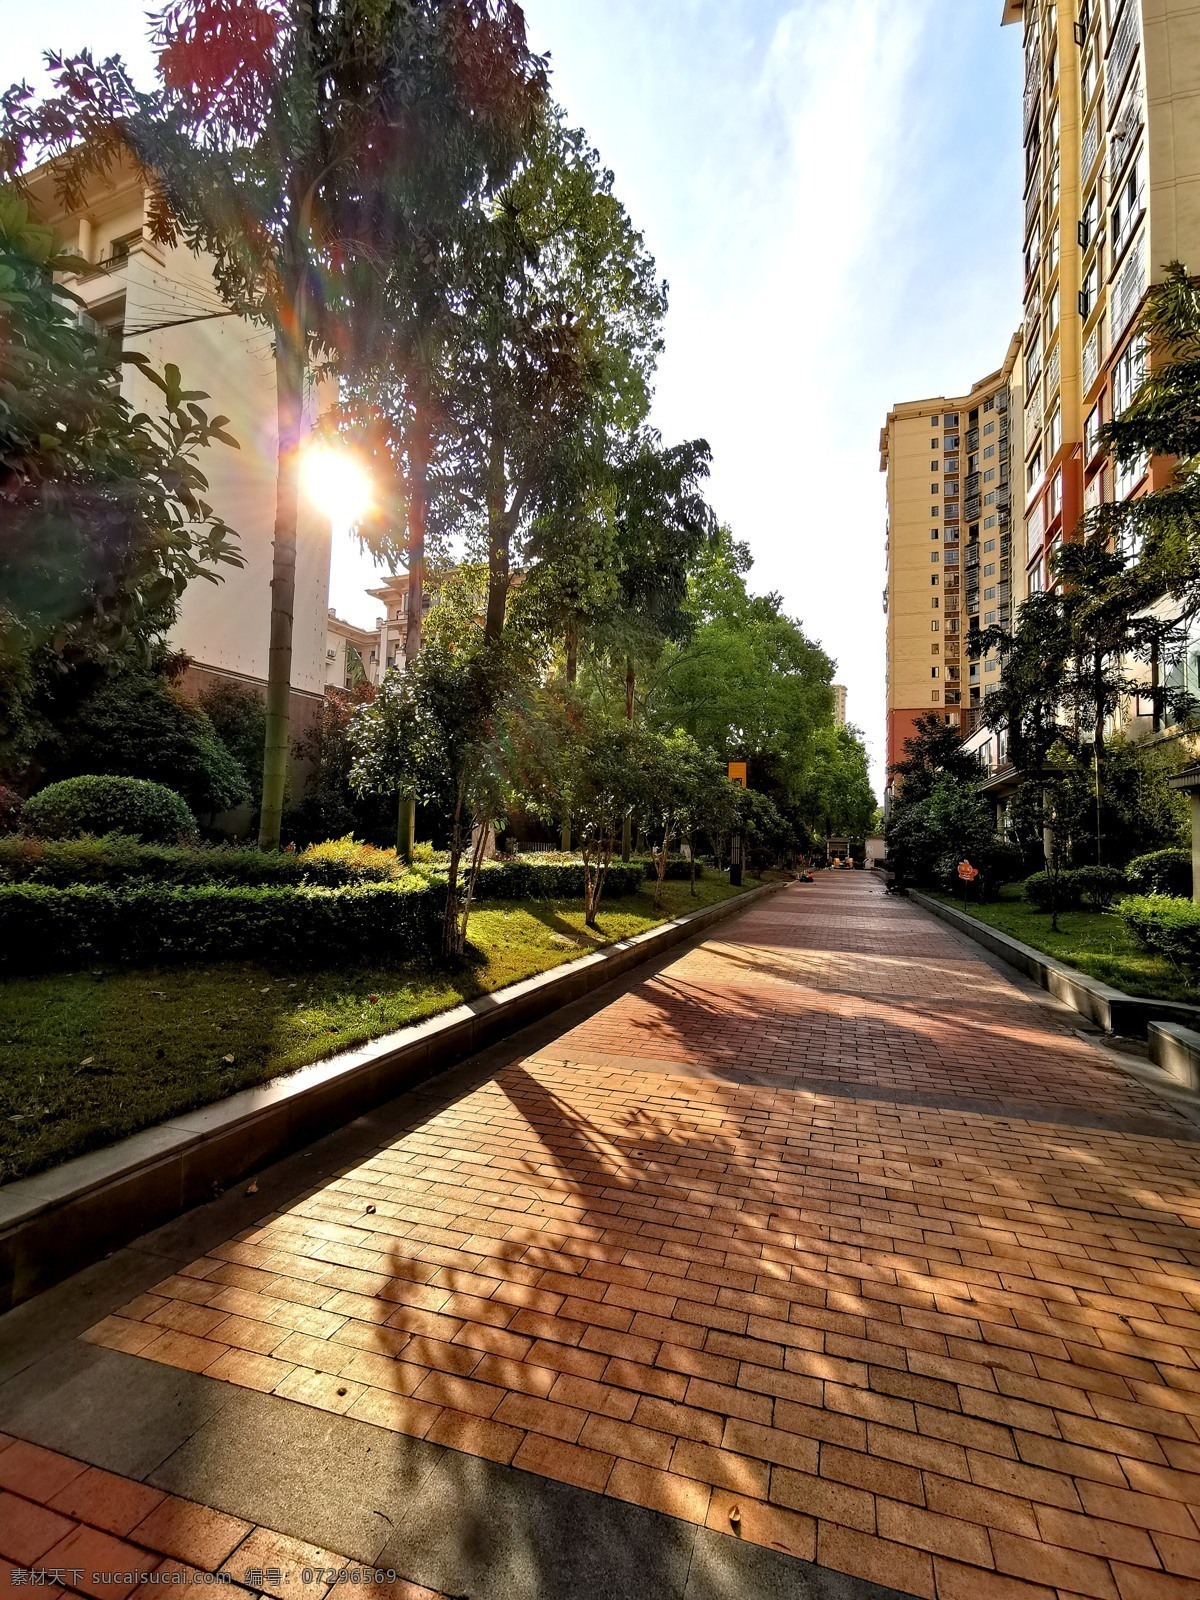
x: 336, y: 482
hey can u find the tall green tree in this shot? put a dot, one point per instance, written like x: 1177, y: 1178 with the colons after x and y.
x: 559, y: 317
x: 288, y: 138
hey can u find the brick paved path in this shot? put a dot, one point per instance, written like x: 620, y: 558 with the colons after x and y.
x: 827, y: 1235
x: 107, y: 1537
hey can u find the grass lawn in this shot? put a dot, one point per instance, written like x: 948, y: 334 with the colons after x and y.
x: 92, y: 1056
x: 1097, y: 942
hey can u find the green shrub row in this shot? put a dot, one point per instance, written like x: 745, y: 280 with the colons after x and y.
x: 531, y: 879
x: 49, y: 925
x: 1092, y: 887
x: 43, y: 926
x: 118, y: 859
x: 1170, y: 926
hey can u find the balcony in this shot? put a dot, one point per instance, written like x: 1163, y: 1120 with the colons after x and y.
x: 1120, y: 54
x: 972, y: 485
x: 974, y: 506
x: 972, y: 438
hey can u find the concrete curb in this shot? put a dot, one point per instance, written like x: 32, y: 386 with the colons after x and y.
x: 59, y: 1221
x: 1111, y: 1009
x: 1177, y: 1051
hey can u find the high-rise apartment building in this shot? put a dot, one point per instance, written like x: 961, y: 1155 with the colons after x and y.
x: 1111, y: 128
x: 954, y: 546
x: 839, y: 703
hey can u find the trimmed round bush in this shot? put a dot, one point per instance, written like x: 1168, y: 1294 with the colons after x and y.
x: 1162, y: 872
x: 1166, y: 924
x: 91, y: 804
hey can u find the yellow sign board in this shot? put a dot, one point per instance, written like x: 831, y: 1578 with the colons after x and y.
x: 737, y: 773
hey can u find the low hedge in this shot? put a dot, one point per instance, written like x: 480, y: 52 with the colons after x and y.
x: 1092, y: 887
x: 1166, y: 924
x: 43, y: 926
x: 118, y: 859
x: 531, y: 879
x: 1162, y: 872
x: 96, y: 804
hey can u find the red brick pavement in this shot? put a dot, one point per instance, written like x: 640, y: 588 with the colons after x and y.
x: 672, y: 1257
x: 71, y: 1527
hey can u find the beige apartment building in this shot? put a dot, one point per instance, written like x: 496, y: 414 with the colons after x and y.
x: 1111, y: 129
x: 954, y: 546
x: 162, y: 301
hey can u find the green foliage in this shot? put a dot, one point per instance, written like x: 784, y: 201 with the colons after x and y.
x: 137, y: 725
x: 43, y: 926
x: 1161, y: 872
x: 768, y: 837
x: 928, y: 837
x: 934, y: 750
x: 1165, y: 924
x: 92, y: 804
x: 532, y: 879
x: 1092, y: 888
x: 441, y: 732
x: 749, y: 685
x: 104, y: 511
x: 239, y: 720
x: 117, y: 858
x: 330, y: 806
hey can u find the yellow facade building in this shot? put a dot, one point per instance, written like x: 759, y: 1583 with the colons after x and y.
x: 954, y: 545
x: 1111, y: 129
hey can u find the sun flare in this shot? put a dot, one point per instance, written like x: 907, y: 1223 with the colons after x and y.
x: 336, y: 483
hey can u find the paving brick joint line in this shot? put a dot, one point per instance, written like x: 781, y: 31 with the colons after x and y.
x: 952, y: 1351
x: 74, y: 1528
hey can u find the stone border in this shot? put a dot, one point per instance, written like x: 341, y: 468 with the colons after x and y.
x: 59, y: 1221
x: 1111, y: 1009
x: 1177, y: 1051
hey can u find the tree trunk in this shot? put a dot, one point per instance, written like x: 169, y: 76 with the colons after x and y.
x: 289, y: 380
x: 572, y: 649
x: 499, y: 539
x: 627, y: 825
x: 406, y: 828
x: 418, y: 515
x: 1098, y: 752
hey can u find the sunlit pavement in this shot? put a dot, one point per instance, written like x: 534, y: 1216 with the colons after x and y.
x: 825, y: 1238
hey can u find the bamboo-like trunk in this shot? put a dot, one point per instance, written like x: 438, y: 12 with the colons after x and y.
x: 627, y: 825
x: 289, y: 381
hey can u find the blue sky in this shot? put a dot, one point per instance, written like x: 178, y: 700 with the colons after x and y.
x: 832, y: 189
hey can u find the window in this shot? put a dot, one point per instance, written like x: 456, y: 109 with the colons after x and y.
x: 989, y: 544
x: 936, y: 602
x: 933, y: 488
x: 1054, y: 505
x: 1127, y: 208
x: 935, y: 672
x: 950, y: 420
x: 933, y: 533
x: 990, y: 666
x: 1033, y: 360
x: 1128, y: 375
x: 989, y: 594
x: 988, y: 427
x: 934, y: 579
x: 935, y: 626
x: 933, y: 466
x: 933, y: 556
x: 990, y: 475
x: 1054, y: 432
x: 1052, y: 241
x: 989, y: 620
x: 989, y: 570
x: 1034, y: 470
x: 1053, y: 312
x: 1035, y: 580
x: 1091, y: 433
x: 989, y: 450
